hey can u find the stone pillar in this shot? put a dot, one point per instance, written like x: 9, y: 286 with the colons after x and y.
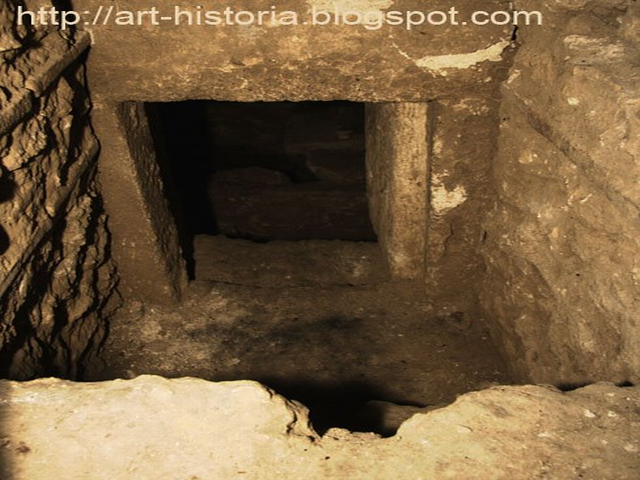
x: 397, y: 183
x: 146, y: 245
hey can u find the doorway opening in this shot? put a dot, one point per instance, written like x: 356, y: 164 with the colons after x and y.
x: 263, y: 173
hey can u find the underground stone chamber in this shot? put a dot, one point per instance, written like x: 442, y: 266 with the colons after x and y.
x: 480, y: 235
x: 274, y: 205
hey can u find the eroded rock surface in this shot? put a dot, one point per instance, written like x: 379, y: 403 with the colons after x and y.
x: 152, y: 427
x: 561, y: 251
x: 56, y: 276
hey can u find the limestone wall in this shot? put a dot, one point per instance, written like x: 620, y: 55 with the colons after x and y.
x: 563, y: 239
x: 55, y: 274
x: 464, y: 139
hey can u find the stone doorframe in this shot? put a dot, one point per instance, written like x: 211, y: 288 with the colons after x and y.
x: 146, y: 241
x: 455, y: 69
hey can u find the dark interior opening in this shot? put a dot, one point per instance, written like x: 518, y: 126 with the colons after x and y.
x: 265, y: 171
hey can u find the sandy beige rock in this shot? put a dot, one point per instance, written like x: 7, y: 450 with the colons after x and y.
x: 151, y: 427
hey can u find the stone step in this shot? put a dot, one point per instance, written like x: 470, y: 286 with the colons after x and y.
x: 315, y: 210
x: 286, y: 263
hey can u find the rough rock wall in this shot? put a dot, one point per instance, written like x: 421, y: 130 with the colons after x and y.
x: 55, y: 274
x: 562, y: 242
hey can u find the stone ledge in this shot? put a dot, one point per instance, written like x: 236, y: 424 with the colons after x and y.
x: 338, y: 62
x: 152, y: 427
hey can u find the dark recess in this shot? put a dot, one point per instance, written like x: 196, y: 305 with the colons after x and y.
x: 264, y: 171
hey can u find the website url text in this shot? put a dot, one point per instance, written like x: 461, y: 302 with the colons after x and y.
x: 370, y: 20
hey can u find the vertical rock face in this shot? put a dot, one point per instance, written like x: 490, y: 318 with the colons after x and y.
x: 55, y: 274
x: 562, y: 241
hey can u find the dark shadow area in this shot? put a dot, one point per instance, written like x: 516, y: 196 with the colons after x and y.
x: 5, y: 241
x: 344, y: 405
x: 188, y: 205
x: 185, y: 152
x: 569, y: 387
x: 625, y: 384
x: 7, y: 191
x: 321, y: 364
x: 264, y: 171
x: 7, y: 185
